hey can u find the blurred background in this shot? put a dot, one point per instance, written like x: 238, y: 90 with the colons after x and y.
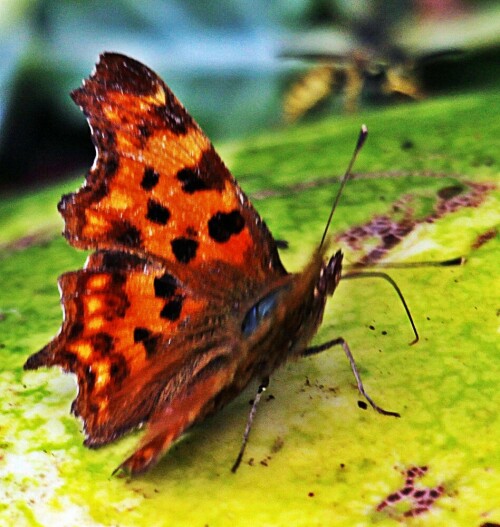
x: 239, y: 66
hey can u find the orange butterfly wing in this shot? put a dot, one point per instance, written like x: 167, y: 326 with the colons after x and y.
x: 147, y: 327
x: 120, y: 313
x: 157, y: 187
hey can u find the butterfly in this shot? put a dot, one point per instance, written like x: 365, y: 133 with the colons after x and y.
x: 184, y: 299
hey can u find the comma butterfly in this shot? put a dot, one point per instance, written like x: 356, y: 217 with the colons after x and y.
x: 184, y: 300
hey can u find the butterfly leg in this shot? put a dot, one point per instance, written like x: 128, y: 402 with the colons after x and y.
x: 261, y: 389
x: 340, y: 341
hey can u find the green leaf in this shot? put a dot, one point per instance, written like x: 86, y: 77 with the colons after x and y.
x: 314, y: 457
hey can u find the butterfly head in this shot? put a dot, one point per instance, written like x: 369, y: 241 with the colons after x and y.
x: 330, y: 274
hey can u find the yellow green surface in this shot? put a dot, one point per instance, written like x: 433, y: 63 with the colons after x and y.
x: 318, y: 459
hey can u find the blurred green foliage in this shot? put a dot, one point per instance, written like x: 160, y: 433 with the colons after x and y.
x: 220, y: 58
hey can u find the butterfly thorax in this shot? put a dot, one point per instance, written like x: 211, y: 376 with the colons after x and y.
x: 282, y: 322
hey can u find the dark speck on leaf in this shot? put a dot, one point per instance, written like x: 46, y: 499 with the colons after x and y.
x: 407, y: 144
x: 449, y: 192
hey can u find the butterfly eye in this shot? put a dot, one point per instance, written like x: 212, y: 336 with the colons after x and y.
x: 258, y: 312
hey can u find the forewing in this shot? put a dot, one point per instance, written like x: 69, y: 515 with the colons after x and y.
x: 157, y: 187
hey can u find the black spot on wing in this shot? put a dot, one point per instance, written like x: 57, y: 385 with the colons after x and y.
x: 184, y: 249
x: 191, y: 181
x: 148, y: 339
x: 111, y: 166
x: 118, y: 278
x: 102, y: 343
x: 210, y: 173
x: 115, y: 260
x: 173, y: 115
x: 172, y: 308
x: 157, y: 213
x: 141, y: 334
x: 223, y: 225
x: 165, y: 286
x: 75, y: 331
x: 149, y: 179
x: 118, y: 369
x: 144, y: 130
x: 126, y: 234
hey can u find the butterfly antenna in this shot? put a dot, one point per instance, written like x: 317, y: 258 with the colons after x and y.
x: 385, y: 276
x: 361, y: 141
